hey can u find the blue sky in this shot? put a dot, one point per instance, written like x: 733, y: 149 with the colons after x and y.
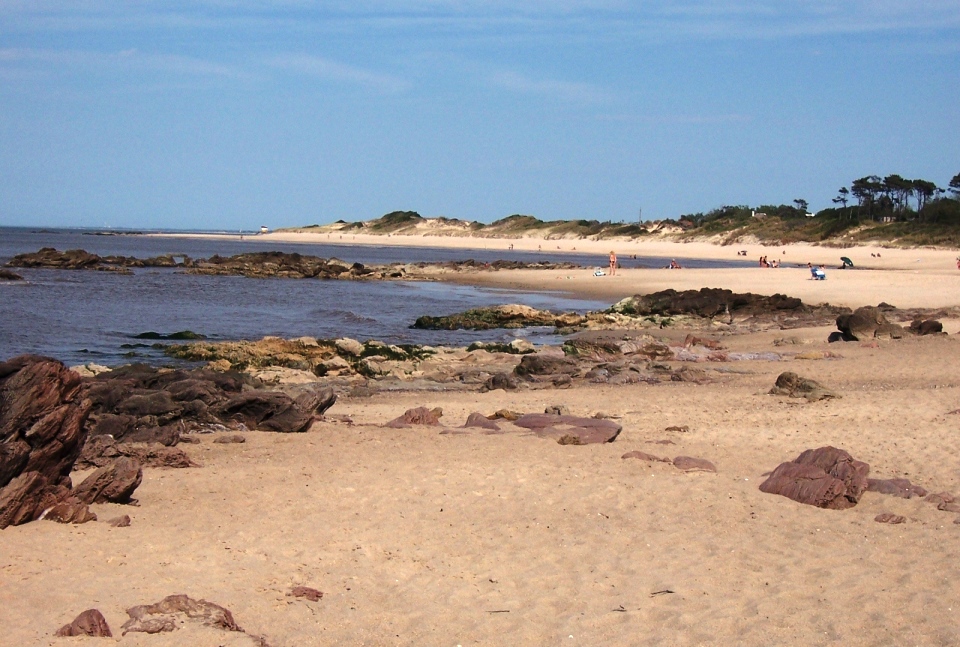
x: 231, y: 114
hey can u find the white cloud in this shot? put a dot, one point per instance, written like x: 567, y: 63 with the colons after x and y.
x: 329, y: 70
x: 566, y: 91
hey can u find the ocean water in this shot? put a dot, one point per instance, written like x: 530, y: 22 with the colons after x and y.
x: 89, y: 316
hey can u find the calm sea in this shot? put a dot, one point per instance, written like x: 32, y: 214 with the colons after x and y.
x: 87, y: 316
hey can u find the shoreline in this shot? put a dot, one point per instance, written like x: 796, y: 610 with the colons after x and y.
x: 906, y: 278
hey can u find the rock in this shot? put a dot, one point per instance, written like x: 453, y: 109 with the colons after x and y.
x: 939, y: 497
x: 481, y: 421
x: 230, y: 438
x: 586, y: 430
x: 417, y: 416
x: 123, y: 521
x: 826, y: 477
x: 557, y: 410
x: 866, y: 323
x: 42, y: 418
x: 682, y: 429
x: 268, y: 410
x: 690, y: 374
x: 645, y: 457
x: 889, y: 517
x: 902, y: 488
x: 505, y: 414
x: 89, y: 623
x: 503, y: 316
x: 691, y: 464
x: 949, y: 506
x: 349, y: 346
x: 531, y: 366
x: 70, y: 511
x: 112, y: 483
x: 791, y: 384
x: 103, y: 450
x: 316, y: 400
x: 306, y: 592
x: 7, y: 275
x: 174, y: 609
x: 500, y: 381
x: 926, y: 327
x: 522, y: 346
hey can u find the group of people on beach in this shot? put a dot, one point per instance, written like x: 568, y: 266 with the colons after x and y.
x: 765, y: 263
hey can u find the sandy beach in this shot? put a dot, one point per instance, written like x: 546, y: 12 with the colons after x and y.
x: 422, y: 538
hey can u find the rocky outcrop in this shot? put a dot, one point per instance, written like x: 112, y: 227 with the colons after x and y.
x: 503, y: 316
x: 716, y: 303
x: 89, y: 623
x: 267, y: 410
x: 791, y: 384
x: 113, y: 483
x: 826, y: 477
x: 42, y: 417
x: 926, y: 327
x: 102, y: 450
x: 867, y: 323
x: 174, y: 610
x: 7, y: 275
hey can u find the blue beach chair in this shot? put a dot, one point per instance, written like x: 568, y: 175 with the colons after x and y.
x: 817, y: 274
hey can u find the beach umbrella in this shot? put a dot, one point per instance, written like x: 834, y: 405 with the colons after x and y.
x: 846, y: 261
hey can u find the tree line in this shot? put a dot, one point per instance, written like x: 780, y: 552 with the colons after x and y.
x: 897, y: 197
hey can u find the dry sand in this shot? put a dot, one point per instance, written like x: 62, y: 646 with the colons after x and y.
x: 418, y: 538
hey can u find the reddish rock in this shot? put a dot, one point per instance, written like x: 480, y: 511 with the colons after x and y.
x: 902, y: 488
x: 677, y: 428
x: 164, y: 615
x: 826, y: 477
x: 41, y: 433
x: 89, y: 623
x: 889, y: 517
x: 586, y: 430
x: 306, y: 592
x: 267, y: 410
x: 691, y: 464
x: 949, y: 506
x: 100, y: 451
x: 939, y: 497
x: 480, y: 420
x: 417, y: 416
x: 646, y: 457
x: 70, y: 511
x: 112, y: 483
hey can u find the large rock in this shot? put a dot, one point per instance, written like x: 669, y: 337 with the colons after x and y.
x: 826, y: 477
x: 539, y: 365
x: 576, y: 430
x: 416, y: 416
x: 269, y: 410
x: 42, y: 419
x: 791, y: 384
x: 173, y: 610
x: 113, y: 483
x: 865, y: 323
x: 89, y: 623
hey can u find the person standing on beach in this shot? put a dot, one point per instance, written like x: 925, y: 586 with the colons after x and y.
x: 613, y: 263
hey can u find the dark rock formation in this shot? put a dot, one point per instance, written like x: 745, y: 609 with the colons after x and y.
x: 585, y: 430
x: 269, y: 410
x: 866, y: 323
x: 826, y: 477
x: 42, y: 421
x: 926, y: 327
x: 417, y: 416
x: 791, y: 384
x: 174, y: 609
x: 711, y: 303
x: 113, y: 483
x: 902, y: 488
x: 7, y: 275
x: 500, y: 381
x: 503, y: 316
x: 89, y: 623
x: 539, y: 365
